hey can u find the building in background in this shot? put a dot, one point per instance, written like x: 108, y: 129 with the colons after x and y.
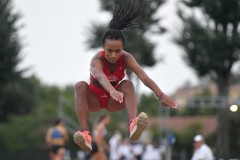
x: 187, y: 93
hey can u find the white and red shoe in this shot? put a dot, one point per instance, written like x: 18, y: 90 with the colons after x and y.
x: 83, y: 140
x: 137, y: 126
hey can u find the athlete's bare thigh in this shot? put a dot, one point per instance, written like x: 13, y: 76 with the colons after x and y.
x: 92, y: 100
x: 113, y: 105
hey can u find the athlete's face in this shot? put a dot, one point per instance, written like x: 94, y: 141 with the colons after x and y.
x: 113, y: 50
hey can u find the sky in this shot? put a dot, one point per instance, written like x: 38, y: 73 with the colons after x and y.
x: 54, y: 47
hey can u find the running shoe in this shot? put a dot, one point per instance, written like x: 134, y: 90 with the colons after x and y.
x: 83, y: 140
x: 137, y: 126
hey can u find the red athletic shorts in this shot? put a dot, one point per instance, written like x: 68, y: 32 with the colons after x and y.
x: 102, y: 94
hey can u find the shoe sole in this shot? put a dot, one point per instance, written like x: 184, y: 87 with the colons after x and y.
x: 81, y: 142
x: 142, y: 122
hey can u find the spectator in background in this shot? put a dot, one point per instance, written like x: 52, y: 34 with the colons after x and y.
x: 151, y: 152
x: 114, y: 143
x: 125, y: 150
x: 99, y: 145
x: 56, y: 139
x: 201, y: 150
x: 137, y: 149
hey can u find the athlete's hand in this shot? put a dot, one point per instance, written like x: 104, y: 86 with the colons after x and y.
x: 168, y: 102
x: 116, y: 95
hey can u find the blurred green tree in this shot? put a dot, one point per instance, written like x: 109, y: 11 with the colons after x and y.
x: 32, y: 127
x: 184, y: 138
x: 137, y: 42
x: 149, y: 104
x: 235, y: 130
x: 16, y: 92
x: 212, y: 45
x: 236, y: 78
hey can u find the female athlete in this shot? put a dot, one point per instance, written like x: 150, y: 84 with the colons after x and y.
x: 107, y: 88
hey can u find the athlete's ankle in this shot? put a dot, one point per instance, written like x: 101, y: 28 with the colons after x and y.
x: 86, y: 131
x: 131, y: 120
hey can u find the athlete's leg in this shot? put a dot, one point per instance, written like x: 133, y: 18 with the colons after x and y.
x: 85, y: 102
x: 128, y: 90
x: 137, y: 124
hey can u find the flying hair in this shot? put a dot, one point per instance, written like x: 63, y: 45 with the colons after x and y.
x: 126, y: 14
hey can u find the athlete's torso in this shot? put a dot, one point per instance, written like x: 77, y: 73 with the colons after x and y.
x: 115, y: 76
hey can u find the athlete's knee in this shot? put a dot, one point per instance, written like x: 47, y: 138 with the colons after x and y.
x: 81, y: 86
x: 127, y: 84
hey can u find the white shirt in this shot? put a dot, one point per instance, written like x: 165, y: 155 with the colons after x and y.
x: 203, y: 153
x: 137, y: 149
x: 114, y: 143
x: 151, y: 153
x: 125, y: 150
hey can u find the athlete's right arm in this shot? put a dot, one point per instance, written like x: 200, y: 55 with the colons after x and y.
x: 97, y: 71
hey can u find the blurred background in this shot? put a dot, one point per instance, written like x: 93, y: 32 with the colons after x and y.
x: 189, y: 47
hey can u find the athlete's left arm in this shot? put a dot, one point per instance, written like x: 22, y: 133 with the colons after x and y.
x: 131, y: 63
x: 48, y: 137
x: 65, y: 134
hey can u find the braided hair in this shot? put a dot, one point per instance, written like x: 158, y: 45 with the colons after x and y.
x: 125, y: 16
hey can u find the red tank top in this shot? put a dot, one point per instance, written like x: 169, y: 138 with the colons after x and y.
x: 117, y: 75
